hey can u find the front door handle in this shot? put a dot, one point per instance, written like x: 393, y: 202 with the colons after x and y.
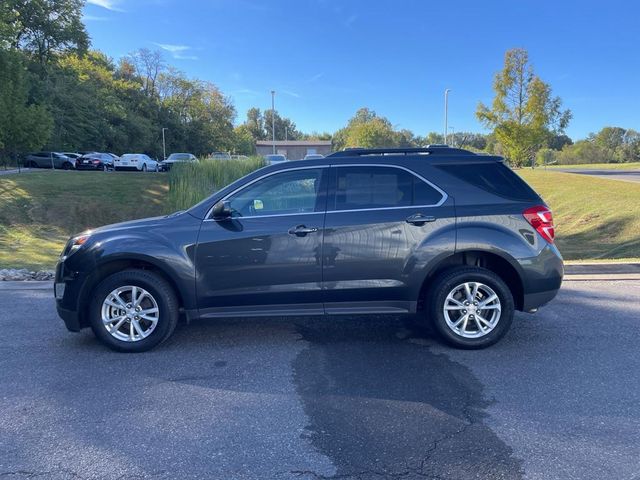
x: 420, y: 219
x: 302, y: 230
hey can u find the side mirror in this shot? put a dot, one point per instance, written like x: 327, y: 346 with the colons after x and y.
x: 221, y: 210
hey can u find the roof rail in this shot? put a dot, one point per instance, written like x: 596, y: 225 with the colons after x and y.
x: 428, y: 150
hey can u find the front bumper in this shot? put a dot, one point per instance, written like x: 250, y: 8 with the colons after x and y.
x: 68, y: 291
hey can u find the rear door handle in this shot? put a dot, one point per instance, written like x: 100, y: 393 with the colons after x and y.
x: 302, y: 230
x: 420, y: 219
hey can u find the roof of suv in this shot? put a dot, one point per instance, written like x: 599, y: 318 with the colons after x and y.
x: 433, y: 153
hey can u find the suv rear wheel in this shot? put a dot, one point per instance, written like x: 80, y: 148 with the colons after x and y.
x: 133, y: 310
x: 470, y: 307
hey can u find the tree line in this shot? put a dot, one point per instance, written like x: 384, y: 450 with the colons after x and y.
x: 58, y: 94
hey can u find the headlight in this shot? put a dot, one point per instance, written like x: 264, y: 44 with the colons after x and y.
x: 75, y: 243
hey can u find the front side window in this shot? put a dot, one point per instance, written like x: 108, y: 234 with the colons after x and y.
x: 289, y: 192
x: 366, y: 187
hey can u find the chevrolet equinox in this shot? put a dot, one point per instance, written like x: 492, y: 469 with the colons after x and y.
x: 452, y: 237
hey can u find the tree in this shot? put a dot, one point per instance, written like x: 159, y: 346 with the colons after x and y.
x: 244, y: 144
x: 285, y: 128
x: 557, y: 142
x: 23, y: 125
x: 524, y: 114
x: 620, y: 145
x: 43, y: 28
x: 255, y: 124
x: 367, y: 130
x: 148, y: 65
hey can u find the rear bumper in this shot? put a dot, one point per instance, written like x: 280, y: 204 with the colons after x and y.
x: 542, y: 278
x: 533, y: 301
x: 89, y: 167
x: 128, y: 167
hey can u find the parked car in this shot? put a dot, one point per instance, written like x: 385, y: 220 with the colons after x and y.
x: 313, y: 156
x: 49, y: 159
x: 72, y: 155
x: 221, y: 156
x: 95, y: 161
x: 455, y: 238
x: 174, y: 158
x: 136, y: 161
x: 275, y: 158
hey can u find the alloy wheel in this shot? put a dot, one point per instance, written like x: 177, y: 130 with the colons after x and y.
x: 130, y: 313
x: 472, y: 310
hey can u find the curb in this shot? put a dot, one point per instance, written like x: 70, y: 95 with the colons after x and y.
x: 603, y: 277
x: 26, y: 285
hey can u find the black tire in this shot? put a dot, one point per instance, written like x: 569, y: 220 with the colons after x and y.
x: 161, y: 291
x: 66, y: 166
x: 450, y: 279
x: 144, y: 167
x: 32, y: 164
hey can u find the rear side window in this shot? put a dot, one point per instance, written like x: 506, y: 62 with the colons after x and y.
x: 380, y: 187
x: 495, y: 178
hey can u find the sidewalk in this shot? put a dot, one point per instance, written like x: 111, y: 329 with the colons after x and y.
x: 14, y: 170
x: 602, y: 271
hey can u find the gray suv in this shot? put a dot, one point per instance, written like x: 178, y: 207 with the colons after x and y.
x: 454, y: 238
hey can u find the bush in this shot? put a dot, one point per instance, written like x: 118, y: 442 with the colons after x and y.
x: 190, y: 183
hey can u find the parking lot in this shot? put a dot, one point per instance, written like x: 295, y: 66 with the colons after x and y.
x: 310, y: 398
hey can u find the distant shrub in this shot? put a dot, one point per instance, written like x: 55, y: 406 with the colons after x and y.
x: 190, y: 183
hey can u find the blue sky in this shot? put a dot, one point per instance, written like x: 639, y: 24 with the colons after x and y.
x: 327, y: 58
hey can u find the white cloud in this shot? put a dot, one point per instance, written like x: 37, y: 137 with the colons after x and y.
x: 173, y: 48
x: 179, y: 52
x: 291, y: 94
x: 94, y: 18
x: 108, y: 4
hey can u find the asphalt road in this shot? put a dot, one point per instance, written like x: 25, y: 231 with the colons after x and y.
x: 626, y: 175
x: 348, y: 398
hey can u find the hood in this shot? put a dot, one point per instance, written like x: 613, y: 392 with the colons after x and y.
x: 135, y: 224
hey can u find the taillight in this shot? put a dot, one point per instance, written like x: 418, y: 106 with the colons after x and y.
x: 96, y: 162
x: 541, y: 218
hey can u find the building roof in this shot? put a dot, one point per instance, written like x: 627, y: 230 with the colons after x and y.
x: 294, y: 143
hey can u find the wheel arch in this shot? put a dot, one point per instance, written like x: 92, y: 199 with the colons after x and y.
x: 498, y: 264
x: 113, y: 265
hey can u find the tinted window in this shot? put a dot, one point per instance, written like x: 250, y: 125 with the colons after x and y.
x: 381, y: 187
x: 495, y: 178
x: 294, y: 191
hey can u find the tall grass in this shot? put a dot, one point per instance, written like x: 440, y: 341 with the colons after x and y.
x: 191, y: 182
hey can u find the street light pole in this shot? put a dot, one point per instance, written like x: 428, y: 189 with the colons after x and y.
x: 453, y: 134
x: 446, y: 113
x: 273, y: 119
x: 164, y: 149
x: 286, y: 133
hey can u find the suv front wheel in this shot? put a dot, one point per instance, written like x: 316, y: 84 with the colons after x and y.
x: 133, y: 310
x: 470, y: 307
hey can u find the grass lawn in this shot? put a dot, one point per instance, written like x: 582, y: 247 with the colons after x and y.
x: 40, y: 210
x: 601, y: 166
x: 595, y: 218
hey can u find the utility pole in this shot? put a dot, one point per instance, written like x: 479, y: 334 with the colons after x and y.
x: 273, y: 119
x: 164, y: 150
x: 446, y: 113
